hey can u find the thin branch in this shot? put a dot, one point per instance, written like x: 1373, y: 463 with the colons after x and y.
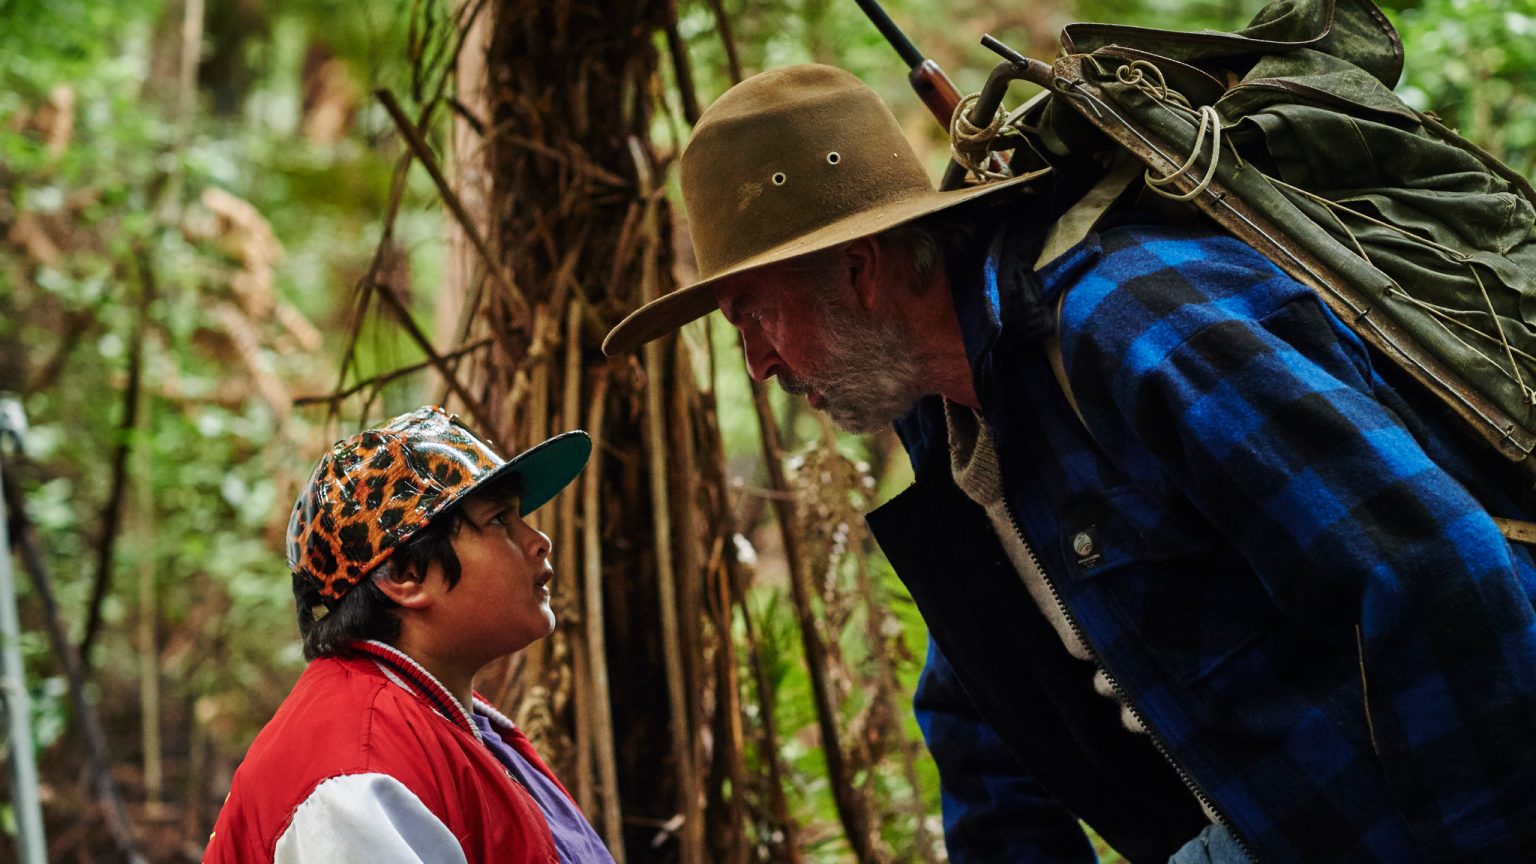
x: 468, y: 115
x: 569, y: 592
x: 474, y: 406
x: 748, y: 491
x: 371, y: 277
x: 592, y: 610
x: 728, y: 39
x: 112, y: 512
x: 727, y: 724
x: 680, y: 66
x: 147, y: 615
x: 76, y: 326
x: 381, y: 251
x: 423, y: 153
x: 849, y: 807
x: 786, y: 850
x: 394, y: 374
x: 688, y: 533
x: 24, y: 541
x: 691, y: 845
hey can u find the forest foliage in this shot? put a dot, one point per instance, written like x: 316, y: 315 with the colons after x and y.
x: 188, y: 195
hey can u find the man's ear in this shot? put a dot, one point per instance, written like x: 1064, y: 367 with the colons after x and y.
x: 866, y: 262
x: 406, y: 586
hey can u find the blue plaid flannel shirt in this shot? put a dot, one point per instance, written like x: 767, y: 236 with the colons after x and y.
x: 1288, y: 575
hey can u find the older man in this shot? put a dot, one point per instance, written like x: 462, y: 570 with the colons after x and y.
x: 1194, y: 566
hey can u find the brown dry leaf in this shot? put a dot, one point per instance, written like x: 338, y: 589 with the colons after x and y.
x: 30, y: 234
x: 331, y: 98
x: 239, y: 230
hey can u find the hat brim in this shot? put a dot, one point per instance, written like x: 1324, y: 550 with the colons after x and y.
x: 546, y: 468
x: 665, y: 314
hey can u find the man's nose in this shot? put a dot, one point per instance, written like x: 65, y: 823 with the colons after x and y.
x: 762, y: 362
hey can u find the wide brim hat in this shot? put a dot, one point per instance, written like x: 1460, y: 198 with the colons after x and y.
x: 374, y: 490
x: 786, y: 163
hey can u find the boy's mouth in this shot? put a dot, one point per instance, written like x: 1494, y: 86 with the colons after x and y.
x: 544, y: 579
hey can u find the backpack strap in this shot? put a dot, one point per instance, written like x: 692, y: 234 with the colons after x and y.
x: 1068, y: 231
x: 1515, y: 530
x: 1073, y: 225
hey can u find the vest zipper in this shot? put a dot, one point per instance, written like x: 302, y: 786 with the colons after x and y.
x: 1120, y: 694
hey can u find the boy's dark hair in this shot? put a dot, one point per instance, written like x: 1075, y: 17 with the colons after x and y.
x: 366, y: 612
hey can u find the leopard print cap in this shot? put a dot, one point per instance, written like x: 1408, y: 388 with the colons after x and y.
x: 372, y: 491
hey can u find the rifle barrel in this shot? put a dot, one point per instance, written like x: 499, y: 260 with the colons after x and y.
x: 877, y: 16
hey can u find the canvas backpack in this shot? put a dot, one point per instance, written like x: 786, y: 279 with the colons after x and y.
x: 1288, y: 135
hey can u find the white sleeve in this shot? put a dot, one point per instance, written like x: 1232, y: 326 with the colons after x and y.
x: 366, y: 819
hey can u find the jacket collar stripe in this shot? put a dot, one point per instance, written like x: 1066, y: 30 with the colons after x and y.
x: 418, y: 680
x: 498, y: 719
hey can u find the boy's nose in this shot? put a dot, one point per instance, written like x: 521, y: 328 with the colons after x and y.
x: 541, y: 545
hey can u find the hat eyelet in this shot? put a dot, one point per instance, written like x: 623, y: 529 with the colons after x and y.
x: 833, y: 158
x: 779, y: 179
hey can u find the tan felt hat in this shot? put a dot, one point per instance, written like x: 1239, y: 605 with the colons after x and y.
x: 787, y: 163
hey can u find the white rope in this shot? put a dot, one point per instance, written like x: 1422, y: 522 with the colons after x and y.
x: 1135, y: 74
x: 971, y: 145
x: 1447, y: 315
x: 1148, y: 78
x: 1526, y: 392
x: 1210, y: 122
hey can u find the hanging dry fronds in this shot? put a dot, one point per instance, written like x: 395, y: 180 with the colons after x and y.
x: 637, y: 700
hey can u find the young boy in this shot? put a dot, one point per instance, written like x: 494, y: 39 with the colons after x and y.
x: 412, y: 570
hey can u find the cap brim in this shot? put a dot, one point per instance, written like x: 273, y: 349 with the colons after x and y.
x: 546, y: 468
x: 665, y: 314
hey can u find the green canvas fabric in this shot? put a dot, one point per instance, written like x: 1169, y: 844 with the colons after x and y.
x: 1307, y: 112
x: 1354, y: 30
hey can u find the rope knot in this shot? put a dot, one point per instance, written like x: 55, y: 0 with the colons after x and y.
x: 971, y: 145
x: 1148, y: 78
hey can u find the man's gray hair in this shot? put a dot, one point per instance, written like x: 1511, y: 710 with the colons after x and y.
x: 927, y: 249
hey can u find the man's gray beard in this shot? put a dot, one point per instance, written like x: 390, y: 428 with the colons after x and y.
x: 871, y: 374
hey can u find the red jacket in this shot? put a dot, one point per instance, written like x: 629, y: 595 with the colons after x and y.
x: 350, y: 715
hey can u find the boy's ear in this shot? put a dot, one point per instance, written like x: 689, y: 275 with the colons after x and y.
x: 407, y: 587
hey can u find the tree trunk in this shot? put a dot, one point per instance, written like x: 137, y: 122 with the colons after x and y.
x: 616, y: 698
x: 642, y: 701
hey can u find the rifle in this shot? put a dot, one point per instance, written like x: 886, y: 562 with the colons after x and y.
x: 927, y: 79
x: 938, y: 93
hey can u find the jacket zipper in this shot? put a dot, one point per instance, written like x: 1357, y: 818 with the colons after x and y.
x: 1114, y: 685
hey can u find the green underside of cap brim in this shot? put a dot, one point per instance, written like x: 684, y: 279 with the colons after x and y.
x: 546, y: 468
